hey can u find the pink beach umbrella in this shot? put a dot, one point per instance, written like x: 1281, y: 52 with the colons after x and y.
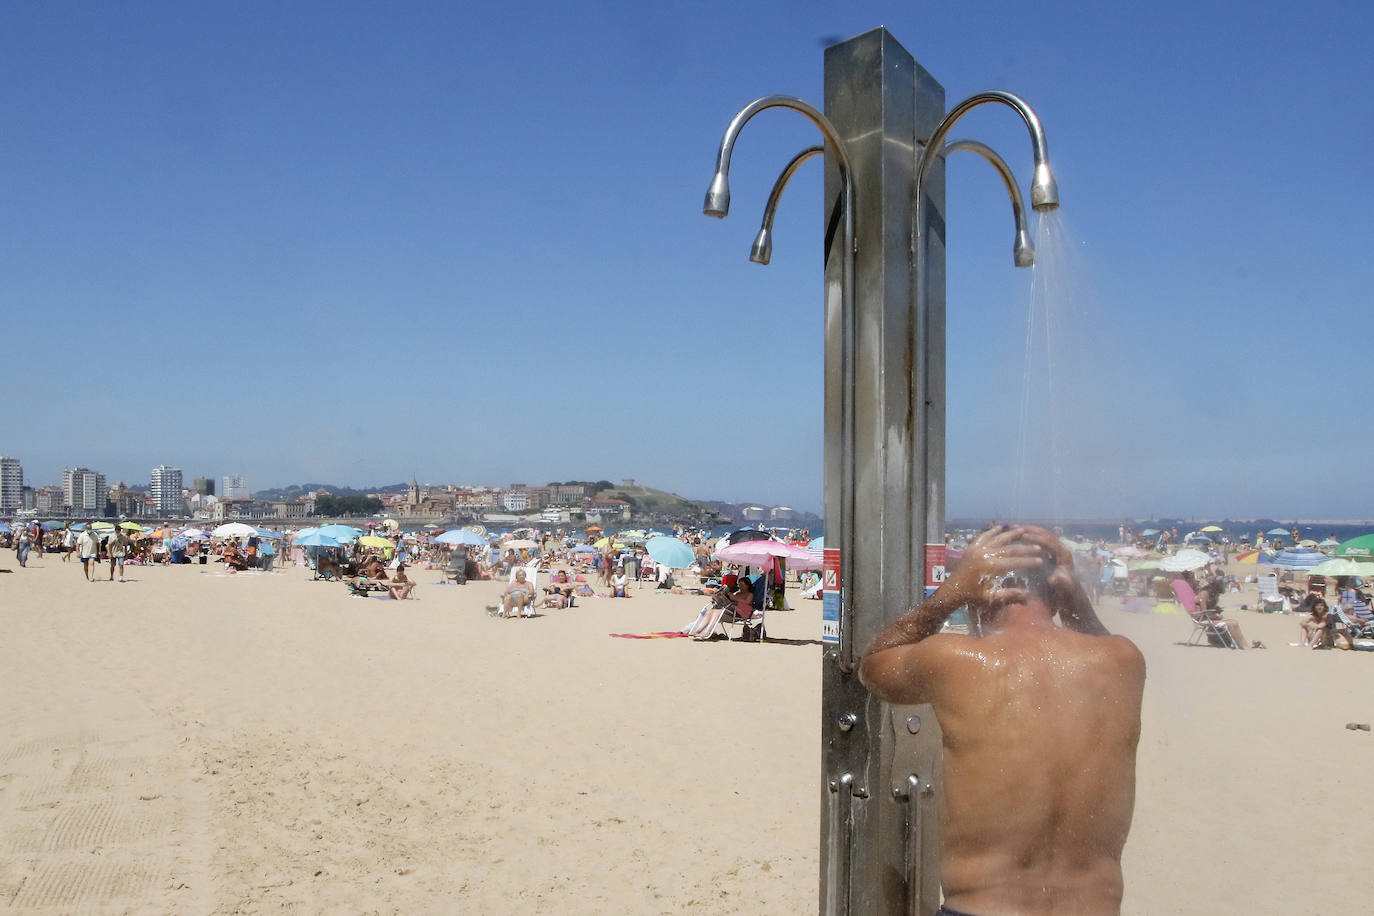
x: 758, y: 553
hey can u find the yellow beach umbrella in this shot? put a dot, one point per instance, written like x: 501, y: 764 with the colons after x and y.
x: 373, y: 540
x: 1211, y: 528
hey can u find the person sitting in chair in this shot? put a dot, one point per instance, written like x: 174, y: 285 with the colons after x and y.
x: 560, y: 587
x: 743, y: 597
x: 519, y: 594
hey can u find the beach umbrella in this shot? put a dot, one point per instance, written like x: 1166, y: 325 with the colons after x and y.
x: 1355, y: 548
x: 1343, y: 567
x: 234, y: 530
x: 318, y: 539
x: 584, y: 548
x: 1330, y: 542
x: 1278, y: 533
x: 603, y: 543
x: 1303, y: 560
x: 268, y: 533
x: 517, y: 544
x: 131, y: 526
x: 1211, y: 528
x: 670, y: 552
x: 1308, y: 542
x: 757, y: 552
x: 102, y: 526
x: 1148, y: 532
x: 195, y: 534
x: 53, y: 525
x: 1252, y: 557
x: 373, y: 540
x: 1185, y: 560
x: 741, y: 535
x: 341, y: 533
x: 5, y: 529
x: 461, y: 536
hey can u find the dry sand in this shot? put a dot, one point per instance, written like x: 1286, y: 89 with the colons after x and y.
x: 194, y: 742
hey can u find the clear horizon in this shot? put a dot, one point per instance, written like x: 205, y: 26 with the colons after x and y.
x: 347, y: 243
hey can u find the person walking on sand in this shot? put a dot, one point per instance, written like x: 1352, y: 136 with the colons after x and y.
x: 117, y: 547
x: 22, y: 544
x: 1040, y: 722
x: 68, y: 544
x: 88, y: 545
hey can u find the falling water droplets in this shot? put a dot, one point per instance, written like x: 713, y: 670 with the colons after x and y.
x: 1041, y: 460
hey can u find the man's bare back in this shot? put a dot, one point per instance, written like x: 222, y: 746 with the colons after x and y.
x: 1040, y: 727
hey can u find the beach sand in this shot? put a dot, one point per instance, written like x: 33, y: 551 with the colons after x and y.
x: 196, y: 742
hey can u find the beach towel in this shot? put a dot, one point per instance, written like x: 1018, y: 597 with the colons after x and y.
x: 672, y: 634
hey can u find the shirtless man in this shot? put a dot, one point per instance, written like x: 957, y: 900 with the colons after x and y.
x: 1040, y: 727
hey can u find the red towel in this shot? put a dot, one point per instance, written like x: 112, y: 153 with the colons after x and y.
x: 673, y: 634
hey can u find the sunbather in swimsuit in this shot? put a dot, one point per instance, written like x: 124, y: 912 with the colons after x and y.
x: 518, y: 594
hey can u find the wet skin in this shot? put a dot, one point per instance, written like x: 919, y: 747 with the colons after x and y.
x: 1040, y: 727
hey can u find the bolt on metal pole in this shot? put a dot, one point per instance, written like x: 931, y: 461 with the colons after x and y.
x: 884, y: 480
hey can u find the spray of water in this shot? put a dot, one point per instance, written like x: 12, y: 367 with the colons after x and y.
x: 1041, y: 456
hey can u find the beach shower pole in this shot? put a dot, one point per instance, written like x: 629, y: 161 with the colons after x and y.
x: 884, y: 486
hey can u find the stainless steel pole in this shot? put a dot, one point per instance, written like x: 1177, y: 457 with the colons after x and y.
x: 884, y: 479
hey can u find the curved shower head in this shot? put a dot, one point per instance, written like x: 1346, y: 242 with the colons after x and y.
x: 841, y: 313
x: 717, y: 202
x: 1044, y: 189
x: 762, y: 250
x: 1023, y: 250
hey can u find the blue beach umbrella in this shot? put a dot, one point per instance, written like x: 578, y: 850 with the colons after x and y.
x: 342, y: 533
x: 318, y: 539
x: 461, y: 536
x: 5, y: 529
x: 670, y: 552
x: 1293, y: 559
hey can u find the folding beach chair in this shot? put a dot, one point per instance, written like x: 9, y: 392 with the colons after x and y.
x: 750, y: 628
x: 1270, y: 599
x: 1204, y: 625
x: 1356, y: 627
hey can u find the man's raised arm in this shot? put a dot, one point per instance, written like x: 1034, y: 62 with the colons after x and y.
x: 895, y: 668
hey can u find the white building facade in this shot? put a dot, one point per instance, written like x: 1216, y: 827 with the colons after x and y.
x: 164, y: 486
x: 84, y: 490
x: 11, y: 484
x: 233, y: 486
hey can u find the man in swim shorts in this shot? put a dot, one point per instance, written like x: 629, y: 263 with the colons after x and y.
x: 1040, y: 722
x: 88, y: 545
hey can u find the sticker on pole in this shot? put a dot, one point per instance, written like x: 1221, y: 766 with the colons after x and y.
x: 830, y: 596
x: 935, y: 566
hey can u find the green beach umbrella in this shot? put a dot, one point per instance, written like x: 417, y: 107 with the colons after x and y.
x: 1343, y: 567
x: 1356, y: 548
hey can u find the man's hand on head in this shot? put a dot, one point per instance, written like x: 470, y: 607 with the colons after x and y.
x: 1058, y: 559
x: 976, y: 579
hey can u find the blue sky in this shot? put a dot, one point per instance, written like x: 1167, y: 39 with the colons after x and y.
x: 356, y: 243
